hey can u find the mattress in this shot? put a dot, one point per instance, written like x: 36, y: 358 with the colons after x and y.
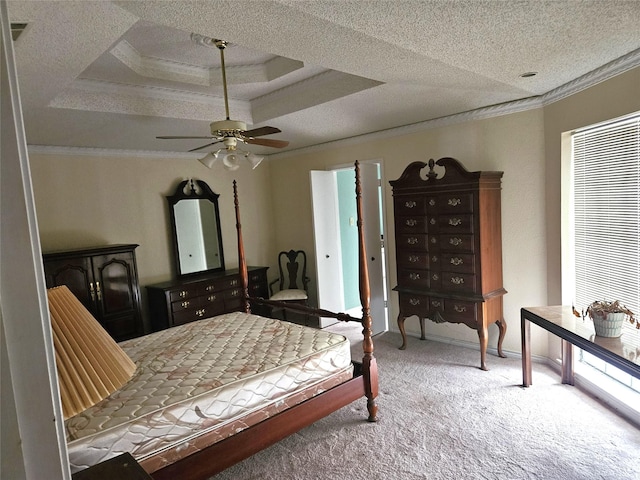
x: 199, y: 383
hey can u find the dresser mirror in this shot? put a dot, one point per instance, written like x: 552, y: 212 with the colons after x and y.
x: 195, y: 223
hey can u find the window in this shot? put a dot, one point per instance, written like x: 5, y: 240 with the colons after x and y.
x: 605, y: 217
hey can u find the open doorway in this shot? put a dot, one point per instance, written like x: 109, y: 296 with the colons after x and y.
x: 336, y: 241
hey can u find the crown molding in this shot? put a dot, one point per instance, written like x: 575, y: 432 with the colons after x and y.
x: 605, y: 72
x: 158, y: 68
x: 477, y: 114
x: 161, y: 69
x: 109, y: 152
x: 601, y: 74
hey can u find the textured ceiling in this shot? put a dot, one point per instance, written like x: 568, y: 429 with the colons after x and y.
x: 114, y: 75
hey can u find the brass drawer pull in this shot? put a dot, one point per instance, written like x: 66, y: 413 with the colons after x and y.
x: 414, y: 301
x: 235, y: 293
x: 434, y: 240
x: 210, y: 288
x: 454, y: 202
x: 234, y: 283
x: 435, y: 276
x: 454, y: 222
x: 432, y: 202
x: 212, y: 298
x: 414, y: 276
x: 412, y: 240
x: 457, y: 280
x: 459, y: 308
x: 183, y: 293
x: 414, y: 258
x: 411, y: 222
x: 410, y: 204
x: 434, y: 259
x: 436, y: 303
x: 200, y: 313
x: 455, y: 241
x: 185, y: 304
x: 456, y: 261
x: 432, y: 221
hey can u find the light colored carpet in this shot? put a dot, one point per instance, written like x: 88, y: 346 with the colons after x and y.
x: 441, y: 417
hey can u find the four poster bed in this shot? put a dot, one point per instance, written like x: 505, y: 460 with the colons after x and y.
x: 211, y: 393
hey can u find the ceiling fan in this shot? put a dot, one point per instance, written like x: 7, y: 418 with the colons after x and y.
x: 230, y: 132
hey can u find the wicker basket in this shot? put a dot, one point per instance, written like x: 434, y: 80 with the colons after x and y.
x: 609, y: 326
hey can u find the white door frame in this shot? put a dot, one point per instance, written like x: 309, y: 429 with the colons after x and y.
x: 382, y: 324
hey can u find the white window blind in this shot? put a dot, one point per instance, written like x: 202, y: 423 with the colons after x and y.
x: 607, y: 213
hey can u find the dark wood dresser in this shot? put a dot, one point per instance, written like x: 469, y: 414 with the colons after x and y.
x: 449, y: 248
x: 105, y: 280
x: 193, y: 298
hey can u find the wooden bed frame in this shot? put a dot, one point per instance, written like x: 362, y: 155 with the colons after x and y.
x: 221, y: 455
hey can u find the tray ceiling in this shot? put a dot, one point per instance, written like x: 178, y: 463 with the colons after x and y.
x: 114, y: 75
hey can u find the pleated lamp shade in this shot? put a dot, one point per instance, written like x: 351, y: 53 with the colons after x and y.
x: 90, y: 364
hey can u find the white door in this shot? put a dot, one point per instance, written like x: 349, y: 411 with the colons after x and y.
x: 373, y: 243
x: 327, y: 240
x: 324, y: 197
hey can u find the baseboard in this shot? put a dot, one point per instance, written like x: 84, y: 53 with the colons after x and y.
x: 476, y: 346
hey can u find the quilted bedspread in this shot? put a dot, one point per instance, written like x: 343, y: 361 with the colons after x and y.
x: 199, y: 383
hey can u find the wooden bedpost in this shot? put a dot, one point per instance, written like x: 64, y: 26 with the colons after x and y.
x: 369, y: 364
x: 242, y: 261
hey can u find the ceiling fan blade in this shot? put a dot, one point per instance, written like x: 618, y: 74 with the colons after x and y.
x: 267, y: 142
x: 171, y: 137
x: 204, y: 146
x: 259, y: 132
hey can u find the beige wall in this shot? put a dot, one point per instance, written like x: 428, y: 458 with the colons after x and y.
x: 614, y: 98
x: 86, y: 200
x: 93, y: 200
x: 513, y: 144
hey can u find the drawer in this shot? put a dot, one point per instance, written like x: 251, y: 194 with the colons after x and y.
x: 458, y: 282
x: 450, y: 203
x: 220, y: 284
x: 417, y: 242
x: 413, y: 304
x: 458, y: 262
x: 412, y: 260
x: 414, y: 279
x: 453, y: 223
x: 258, y: 286
x: 180, y: 318
x: 184, y: 292
x: 191, y: 303
x: 459, y: 311
x: 413, y: 224
x: 233, y: 300
x: 455, y: 243
x: 409, y: 205
x: 258, y: 290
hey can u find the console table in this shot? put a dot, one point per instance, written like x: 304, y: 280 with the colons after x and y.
x: 622, y: 352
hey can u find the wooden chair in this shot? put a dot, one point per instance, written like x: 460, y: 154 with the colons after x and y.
x: 293, y: 280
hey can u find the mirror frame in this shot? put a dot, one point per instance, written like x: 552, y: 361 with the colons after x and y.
x: 203, y: 192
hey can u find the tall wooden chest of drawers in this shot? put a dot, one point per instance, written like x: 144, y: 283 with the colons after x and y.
x: 449, y: 248
x: 194, y: 298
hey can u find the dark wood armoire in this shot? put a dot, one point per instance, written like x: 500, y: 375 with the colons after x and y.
x: 105, y: 280
x: 449, y: 248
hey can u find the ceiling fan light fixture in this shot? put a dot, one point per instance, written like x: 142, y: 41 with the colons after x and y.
x: 210, y: 159
x: 228, y: 131
x: 230, y: 161
x: 253, y: 159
